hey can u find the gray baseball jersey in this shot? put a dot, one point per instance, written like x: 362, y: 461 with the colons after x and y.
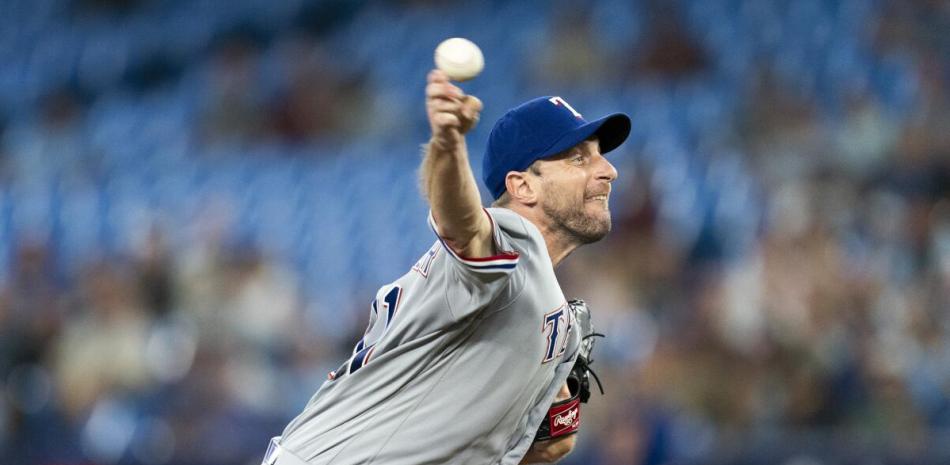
x: 459, y: 363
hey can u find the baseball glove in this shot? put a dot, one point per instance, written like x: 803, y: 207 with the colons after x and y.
x: 564, y: 417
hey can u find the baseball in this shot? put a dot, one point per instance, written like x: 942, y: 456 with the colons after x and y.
x: 459, y: 58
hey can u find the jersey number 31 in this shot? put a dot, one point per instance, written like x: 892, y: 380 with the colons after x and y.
x: 381, y: 315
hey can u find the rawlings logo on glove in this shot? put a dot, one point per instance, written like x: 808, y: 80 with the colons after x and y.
x: 570, y: 418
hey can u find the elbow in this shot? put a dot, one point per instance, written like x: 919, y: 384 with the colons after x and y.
x: 469, y: 236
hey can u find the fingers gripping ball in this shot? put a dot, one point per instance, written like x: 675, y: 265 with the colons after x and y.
x: 459, y: 58
x: 471, y: 108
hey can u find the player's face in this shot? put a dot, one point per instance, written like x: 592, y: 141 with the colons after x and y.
x: 576, y: 189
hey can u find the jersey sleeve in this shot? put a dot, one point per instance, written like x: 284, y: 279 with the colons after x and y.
x: 486, y: 268
x: 476, y: 282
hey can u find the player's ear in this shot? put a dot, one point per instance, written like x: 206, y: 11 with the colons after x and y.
x: 521, y: 189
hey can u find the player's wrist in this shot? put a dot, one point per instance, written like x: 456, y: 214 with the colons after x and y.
x: 447, y: 141
x: 551, y: 450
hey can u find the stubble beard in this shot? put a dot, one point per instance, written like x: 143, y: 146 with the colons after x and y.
x: 576, y: 222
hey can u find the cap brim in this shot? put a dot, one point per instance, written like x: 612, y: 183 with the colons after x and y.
x: 611, y: 131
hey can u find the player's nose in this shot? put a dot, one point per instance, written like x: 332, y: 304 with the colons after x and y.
x: 604, y: 170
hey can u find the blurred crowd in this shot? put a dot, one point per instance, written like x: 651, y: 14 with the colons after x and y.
x: 153, y: 358
x: 818, y: 333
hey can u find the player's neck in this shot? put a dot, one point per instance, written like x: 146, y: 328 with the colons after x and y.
x: 559, y: 243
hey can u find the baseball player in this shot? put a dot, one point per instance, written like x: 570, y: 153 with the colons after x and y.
x: 472, y: 356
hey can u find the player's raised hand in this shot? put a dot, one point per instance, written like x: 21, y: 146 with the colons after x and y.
x: 451, y: 112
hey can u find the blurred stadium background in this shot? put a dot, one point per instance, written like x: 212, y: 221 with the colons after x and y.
x: 198, y: 199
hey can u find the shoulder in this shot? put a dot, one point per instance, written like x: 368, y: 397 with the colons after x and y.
x: 518, y: 231
x: 512, y: 223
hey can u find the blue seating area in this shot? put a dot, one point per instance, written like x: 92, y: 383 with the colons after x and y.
x: 319, y: 207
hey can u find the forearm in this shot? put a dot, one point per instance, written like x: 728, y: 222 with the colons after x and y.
x: 549, y: 451
x: 447, y: 178
x: 453, y: 196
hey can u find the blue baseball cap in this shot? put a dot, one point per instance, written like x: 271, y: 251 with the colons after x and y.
x: 540, y: 128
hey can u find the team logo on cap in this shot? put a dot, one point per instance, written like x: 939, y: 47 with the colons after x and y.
x: 561, y: 103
